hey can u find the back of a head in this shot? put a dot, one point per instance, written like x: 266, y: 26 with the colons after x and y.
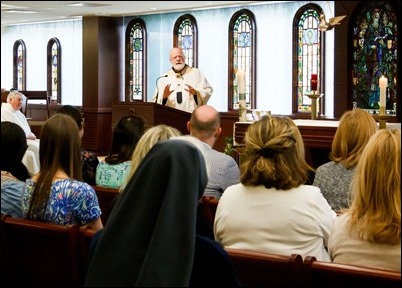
x: 274, y: 150
x: 126, y: 135
x: 13, y: 143
x: 73, y: 112
x: 60, y: 146
x: 150, y: 137
x: 204, y: 121
x: 354, y: 131
x: 376, y: 187
x: 13, y: 147
x: 165, y: 189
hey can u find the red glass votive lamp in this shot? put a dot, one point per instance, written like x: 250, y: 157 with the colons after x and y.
x: 313, y: 82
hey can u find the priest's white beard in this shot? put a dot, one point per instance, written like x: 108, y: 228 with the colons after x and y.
x: 179, y: 67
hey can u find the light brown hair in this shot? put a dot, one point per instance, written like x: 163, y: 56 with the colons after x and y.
x: 59, y: 149
x: 376, y: 190
x: 354, y: 131
x: 274, y: 154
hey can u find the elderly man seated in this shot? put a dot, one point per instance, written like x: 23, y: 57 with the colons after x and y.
x: 10, y: 111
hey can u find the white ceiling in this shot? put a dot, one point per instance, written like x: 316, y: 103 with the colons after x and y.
x: 19, y: 12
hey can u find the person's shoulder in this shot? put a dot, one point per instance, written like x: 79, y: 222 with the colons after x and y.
x: 326, y: 165
x: 341, y: 220
x: 12, y: 186
x: 222, y: 156
x: 78, y: 184
x: 5, y: 109
x: 309, y: 189
x: 191, y: 139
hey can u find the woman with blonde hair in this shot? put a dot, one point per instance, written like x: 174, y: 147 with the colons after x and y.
x: 272, y: 195
x: 334, y: 178
x: 369, y: 233
x: 148, y: 140
x: 151, y: 136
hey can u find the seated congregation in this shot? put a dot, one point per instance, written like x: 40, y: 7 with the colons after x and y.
x: 173, y: 215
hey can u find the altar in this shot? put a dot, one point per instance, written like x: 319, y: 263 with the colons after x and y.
x: 317, y: 137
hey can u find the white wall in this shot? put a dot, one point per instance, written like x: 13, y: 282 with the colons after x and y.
x: 36, y: 37
x: 273, y: 59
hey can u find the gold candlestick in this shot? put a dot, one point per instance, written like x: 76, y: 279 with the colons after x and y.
x: 242, y: 107
x: 314, y: 95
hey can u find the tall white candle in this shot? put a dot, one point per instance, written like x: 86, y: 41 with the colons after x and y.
x: 383, y: 83
x: 241, y: 81
x: 241, y: 85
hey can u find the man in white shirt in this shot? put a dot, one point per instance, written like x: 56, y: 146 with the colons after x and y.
x: 11, y: 111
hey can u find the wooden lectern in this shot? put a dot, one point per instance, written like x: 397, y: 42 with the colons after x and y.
x: 154, y: 114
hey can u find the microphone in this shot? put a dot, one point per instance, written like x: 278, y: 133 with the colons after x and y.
x: 157, y: 87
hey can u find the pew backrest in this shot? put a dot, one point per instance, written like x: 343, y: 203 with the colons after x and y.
x: 209, y: 205
x: 106, y: 197
x: 324, y: 274
x: 256, y: 269
x: 39, y: 254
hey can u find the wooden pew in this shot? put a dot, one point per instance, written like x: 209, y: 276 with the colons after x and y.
x: 39, y: 254
x: 85, y: 237
x: 324, y: 274
x: 257, y: 269
x: 106, y: 198
x: 209, y: 205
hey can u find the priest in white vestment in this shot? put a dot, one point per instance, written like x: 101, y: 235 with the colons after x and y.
x: 11, y: 111
x: 182, y: 87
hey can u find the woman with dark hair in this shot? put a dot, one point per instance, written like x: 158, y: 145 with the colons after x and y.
x: 112, y: 172
x: 13, y: 148
x: 57, y: 193
x: 13, y: 171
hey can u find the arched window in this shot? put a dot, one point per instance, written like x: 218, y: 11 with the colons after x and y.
x: 54, y: 69
x: 136, y: 59
x: 185, y: 36
x: 242, y: 56
x: 19, y: 65
x: 374, y: 50
x: 308, y: 53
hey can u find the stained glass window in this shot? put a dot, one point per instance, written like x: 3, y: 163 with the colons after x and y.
x: 375, y: 40
x: 54, y: 69
x: 185, y: 36
x: 136, y: 61
x: 242, y: 57
x: 308, y: 57
x: 19, y: 65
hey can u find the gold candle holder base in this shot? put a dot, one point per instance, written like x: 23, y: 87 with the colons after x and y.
x: 382, y: 120
x: 314, y: 95
x: 242, y: 107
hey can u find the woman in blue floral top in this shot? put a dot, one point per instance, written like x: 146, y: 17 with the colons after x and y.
x: 57, y: 193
